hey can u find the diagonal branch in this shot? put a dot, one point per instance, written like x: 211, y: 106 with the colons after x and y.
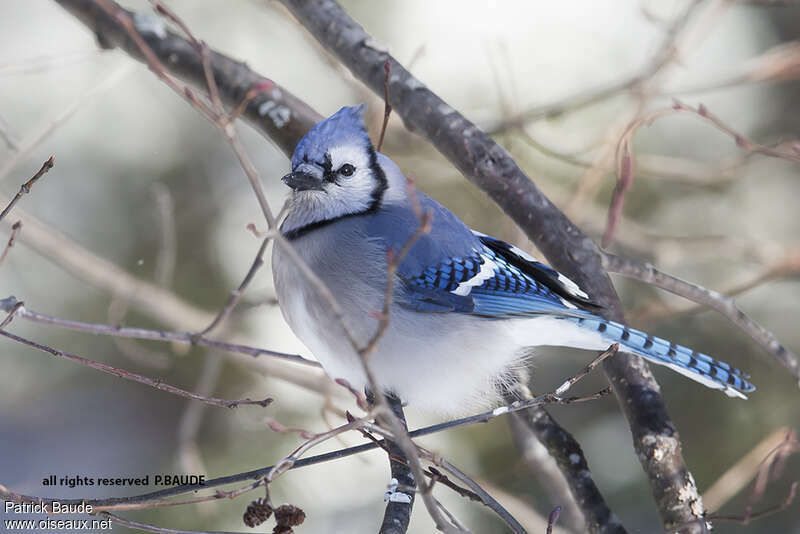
x: 158, y: 498
x: 277, y: 113
x: 127, y: 375
x: 26, y: 187
x: 17, y: 309
x: 724, y: 304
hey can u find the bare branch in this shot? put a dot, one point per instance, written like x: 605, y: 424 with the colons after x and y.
x: 215, y: 115
x: 552, y: 518
x: 625, y: 159
x: 721, y: 303
x: 127, y: 375
x: 15, y: 229
x: 159, y: 498
x: 664, y: 56
x: 281, y: 116
x: 742, y: 472
x: 26, y: 187
x: 237, y: 293
x: 184, y: 338
x: 387, y: 107
x: 481, y: 493
x: 567, y: 452
x: 786, y: 267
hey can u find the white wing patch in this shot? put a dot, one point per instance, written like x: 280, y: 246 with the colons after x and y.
x: 568, y: 284
x: 521, y: 253
x: 571, y: 286
x: 487, y: 271
x: 567, y: 303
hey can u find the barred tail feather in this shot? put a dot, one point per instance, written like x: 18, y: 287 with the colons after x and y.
x: 695, y: 365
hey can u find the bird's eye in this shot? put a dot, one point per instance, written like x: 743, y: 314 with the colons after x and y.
x: 346, y: 170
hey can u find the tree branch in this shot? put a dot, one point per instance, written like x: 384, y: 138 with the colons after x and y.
x: 26, y: 187
x: 157, y: 498
x: 724, y: 304
x: 280, y: 115
x: 185, y: 338
x: 127, y: 375
x: 400, y: 501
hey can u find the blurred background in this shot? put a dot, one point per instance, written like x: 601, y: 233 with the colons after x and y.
x: 146, y: 189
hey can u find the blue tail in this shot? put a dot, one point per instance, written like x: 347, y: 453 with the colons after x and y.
x: 695, y: 365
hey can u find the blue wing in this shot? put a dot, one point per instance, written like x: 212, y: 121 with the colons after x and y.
x: 494, y: 280
x: 497, y: 280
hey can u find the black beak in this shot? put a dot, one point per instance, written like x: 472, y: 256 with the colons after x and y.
x: 302, y: 181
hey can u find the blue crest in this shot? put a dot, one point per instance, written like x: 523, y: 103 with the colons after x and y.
x: 346, y: 126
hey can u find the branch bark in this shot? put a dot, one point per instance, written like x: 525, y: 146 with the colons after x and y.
x: 281, y: 116
x: 491, y: 168
x: 398, y: 510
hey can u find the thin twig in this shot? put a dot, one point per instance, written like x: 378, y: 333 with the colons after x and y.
x: 625, y: 158
x: 215, y: 115
x: 786, y: 267
x: 289, y: 461
x: 156, y: 498
x: 552, y: 518
x: 721, y: 303
x: 751, y: 516
x: 15, y: 229
x: 237, y: 293
x: 389, y: 419
x: 27, y: 145
x: 668, y: 51
x: 184, y: 338
x: 482, y: 494
x: 387, y: 107
x: 26, y: 187
x: 127, y: 375
x: 746, y: 469
x: 611, y: 351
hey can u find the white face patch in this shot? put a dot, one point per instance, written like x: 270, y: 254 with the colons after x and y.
x: 344, y: 195
x: 354, y: 193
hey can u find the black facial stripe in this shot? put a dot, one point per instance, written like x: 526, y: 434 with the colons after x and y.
x: 327, y: 168
x: 381, y: 183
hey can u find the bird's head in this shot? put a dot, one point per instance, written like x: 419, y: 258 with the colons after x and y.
x: 335, y: 172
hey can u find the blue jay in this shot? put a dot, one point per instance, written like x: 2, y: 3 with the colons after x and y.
x: 467, y: 307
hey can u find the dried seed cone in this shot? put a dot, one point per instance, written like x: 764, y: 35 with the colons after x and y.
x: 258, y: 512
x: 287, y: 515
